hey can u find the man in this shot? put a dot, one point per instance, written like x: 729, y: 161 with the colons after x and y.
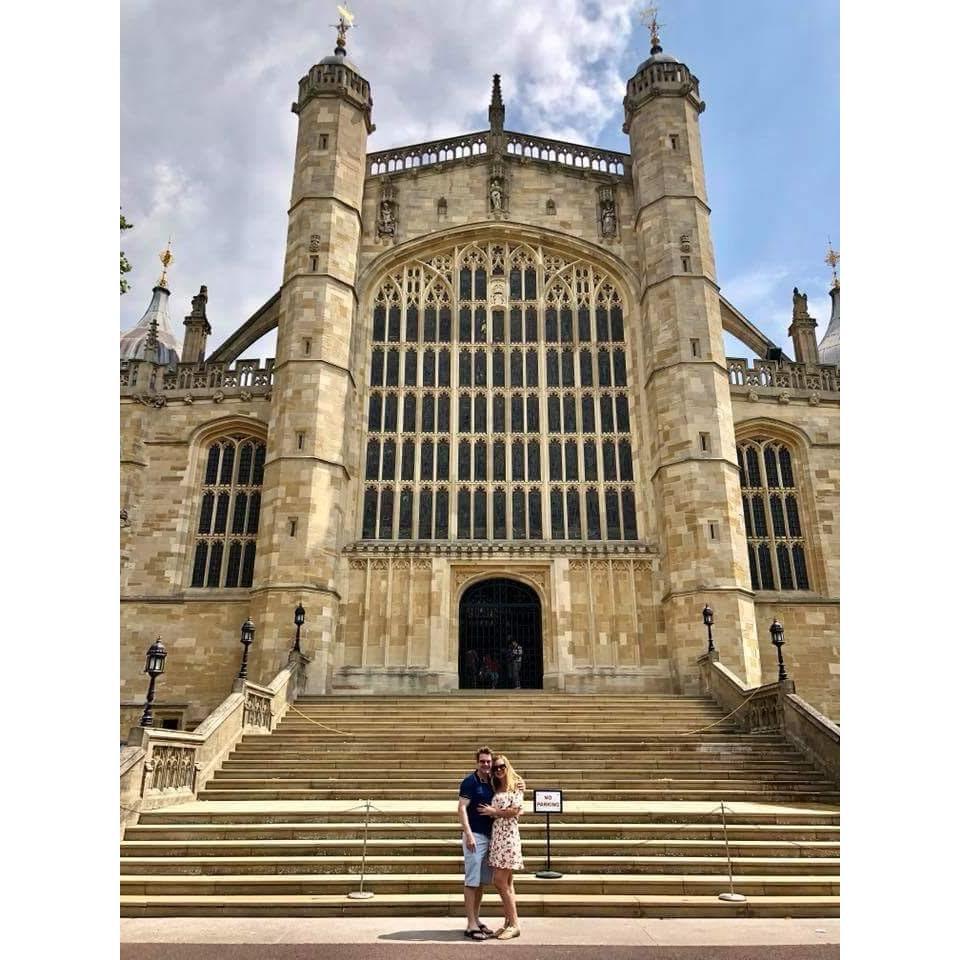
x: 476, y: 790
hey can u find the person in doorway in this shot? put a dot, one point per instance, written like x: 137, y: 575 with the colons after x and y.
x: 514, y: 662
x: 505, y: 855
x: 476, y: 791
x: 491, y: 671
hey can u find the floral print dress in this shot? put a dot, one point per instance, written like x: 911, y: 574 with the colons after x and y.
x: 504, y: 851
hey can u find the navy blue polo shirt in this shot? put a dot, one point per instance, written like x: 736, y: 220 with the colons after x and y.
x: 477, y: 792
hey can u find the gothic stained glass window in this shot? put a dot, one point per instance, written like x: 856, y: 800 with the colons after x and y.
x: 562, y: 327
x: 776, y: 547
x: 228, y: 513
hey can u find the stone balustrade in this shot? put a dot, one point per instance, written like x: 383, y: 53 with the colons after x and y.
x: 161, y: 767
x: 773, y: 707
x: 155, y: 384
x: 521, y: 146
x: 773, y: 376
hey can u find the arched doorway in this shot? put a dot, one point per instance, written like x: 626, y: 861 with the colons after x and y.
x: 493, y: 615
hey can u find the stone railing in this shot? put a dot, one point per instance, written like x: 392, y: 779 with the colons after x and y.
x: 774, y: 706
x: 522, y: 146
x: 567, y: 154
x: 771, y: 376
x: 426, y: 154
x: 154, y: 384
x: 163, y: 767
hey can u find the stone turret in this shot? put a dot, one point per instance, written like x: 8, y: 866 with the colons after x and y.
x: 802, y: 331
x: 830, y: 344
x: 307, y: 490
x: 198, y: 329
x: 693, y: 466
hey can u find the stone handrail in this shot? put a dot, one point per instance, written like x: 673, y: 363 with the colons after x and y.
x: 154, y: 383
x: 163, y: 767
x: 783, y: 375
x: 774, y: 706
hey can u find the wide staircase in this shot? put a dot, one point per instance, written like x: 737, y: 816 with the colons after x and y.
x: 280, y: 829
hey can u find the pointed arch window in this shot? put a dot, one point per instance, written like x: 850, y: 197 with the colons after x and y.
x: 775, y: 543
x: 225, y: 541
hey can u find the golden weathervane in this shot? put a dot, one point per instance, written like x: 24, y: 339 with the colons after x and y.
x: 832, y: 259
x: 343, y: 25
x: 166, y: 258
x: 648, y: 17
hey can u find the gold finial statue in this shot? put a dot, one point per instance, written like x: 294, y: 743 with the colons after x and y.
x: 343, y: 25
x: 648, y: 17
x: 832, y: 259
x: 166, y: 258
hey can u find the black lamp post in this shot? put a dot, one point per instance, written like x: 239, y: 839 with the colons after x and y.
x: 156, y: 655
x: 776, y: 637
x: 246, y: 638
x: 708, y: 623
x: 299, y: 615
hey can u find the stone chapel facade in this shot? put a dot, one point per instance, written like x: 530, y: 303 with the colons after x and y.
x: 500, y: 411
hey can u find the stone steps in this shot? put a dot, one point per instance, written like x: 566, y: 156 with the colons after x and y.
x: 278, y: 830
x: 315, y: 884
x: 451, y: 905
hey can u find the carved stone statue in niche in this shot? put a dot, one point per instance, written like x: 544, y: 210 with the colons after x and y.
x: 496, y: 195
x: 608, y: 213
x: 315, y: 243
x: 386, y: 220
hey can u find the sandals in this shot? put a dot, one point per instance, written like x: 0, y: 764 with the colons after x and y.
x: 475, y: 934
x: 483, y: 928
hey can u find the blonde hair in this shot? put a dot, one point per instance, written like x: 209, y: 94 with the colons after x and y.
x: 511, y: 780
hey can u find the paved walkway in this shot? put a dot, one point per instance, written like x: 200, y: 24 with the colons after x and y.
x: 437, y: 938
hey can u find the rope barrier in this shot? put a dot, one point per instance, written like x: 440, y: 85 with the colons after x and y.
x: 342, y: 733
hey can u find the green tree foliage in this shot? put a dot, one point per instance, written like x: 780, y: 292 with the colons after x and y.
x: 124, y: 262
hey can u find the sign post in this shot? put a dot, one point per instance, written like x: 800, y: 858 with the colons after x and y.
x: 547, y: 802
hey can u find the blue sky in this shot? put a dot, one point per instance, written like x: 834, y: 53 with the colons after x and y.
x: 207, y: 134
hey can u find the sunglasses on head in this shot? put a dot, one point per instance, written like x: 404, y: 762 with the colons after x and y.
x: 500, y: 766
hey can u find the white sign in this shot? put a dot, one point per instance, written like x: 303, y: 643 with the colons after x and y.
x: 548, y: 801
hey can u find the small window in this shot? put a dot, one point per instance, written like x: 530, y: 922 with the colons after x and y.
x: 712, y: 527
x: 293, y: 526
x: 323, y: 141
x: 299, y: 441
x: 307, y: 346
x: 551, y: 208
x: 704, y: 442
x: 685, y: 263
x: 314, y: 262
x: 695, y: 347
x: 674, y: 141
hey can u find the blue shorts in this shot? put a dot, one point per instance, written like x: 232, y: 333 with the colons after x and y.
x: 476, y: 870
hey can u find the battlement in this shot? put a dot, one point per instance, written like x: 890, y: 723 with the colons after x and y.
x: 521, y: 146
x: 153, y: 383
x: 336, y: 77
x: 770, y: 375
x: 658, y: 78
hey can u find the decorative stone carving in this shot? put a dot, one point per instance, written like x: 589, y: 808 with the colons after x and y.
x: 358, y: 564
x: 685, y: 242
x: 496, y: 194
x: 814, y: 400
x: 498, y: 292
x: 551, y: 208
x: 124, y: 518
x: 784, y: 397
x: 800, y: 311
x: 218, y: 396
x: 442, y: 207
x: 246, y: 395
x: 753, y: 396
x: 188, y: 399
x: 315, y: 243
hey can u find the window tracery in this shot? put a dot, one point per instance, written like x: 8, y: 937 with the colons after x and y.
x: 511, y: 358
x: 225, y: 542
x: 776, y: 546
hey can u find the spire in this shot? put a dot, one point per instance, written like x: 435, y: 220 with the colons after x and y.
x: 830, y: 344
x: 496, y: 112
x: 648, y: 17
x: 343, y: 25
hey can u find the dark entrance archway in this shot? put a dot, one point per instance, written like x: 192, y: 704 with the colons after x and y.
x: 493, y: 615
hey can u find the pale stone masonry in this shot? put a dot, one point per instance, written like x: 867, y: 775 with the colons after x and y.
x: 561, y: 304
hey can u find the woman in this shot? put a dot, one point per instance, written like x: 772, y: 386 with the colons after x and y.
x: 505, y: 855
